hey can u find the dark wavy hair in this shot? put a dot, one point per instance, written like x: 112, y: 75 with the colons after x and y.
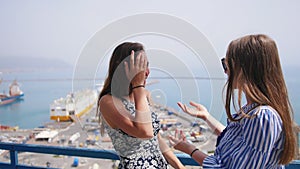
x: 254, y: 68
x: 116, y: 82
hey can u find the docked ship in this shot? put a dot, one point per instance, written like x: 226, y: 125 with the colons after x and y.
x: 15, y: 93
x: 73, y: 105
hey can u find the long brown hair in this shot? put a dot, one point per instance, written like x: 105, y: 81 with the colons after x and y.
x: 255, y: 69
x: 116, y: 72
x: 116, y: 83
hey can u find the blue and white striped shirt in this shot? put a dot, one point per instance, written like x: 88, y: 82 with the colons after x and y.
x: 250, y: 143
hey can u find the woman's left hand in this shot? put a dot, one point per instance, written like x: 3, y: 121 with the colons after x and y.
x: 179, y: 141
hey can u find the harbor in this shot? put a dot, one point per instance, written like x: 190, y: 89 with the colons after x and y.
x: 73, y: 123
x: 77, y: 126
x: 84, y: 131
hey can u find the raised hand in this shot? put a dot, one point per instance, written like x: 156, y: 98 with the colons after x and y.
x: 200, y: 111
x: 135, y: 69
x: 197, y: 110
x: 178, y: 141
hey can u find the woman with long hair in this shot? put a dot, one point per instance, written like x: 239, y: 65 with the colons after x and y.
x: 125, y: 112
x: 260, y: 133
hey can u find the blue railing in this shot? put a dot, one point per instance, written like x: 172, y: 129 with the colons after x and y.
x: 80, y: 152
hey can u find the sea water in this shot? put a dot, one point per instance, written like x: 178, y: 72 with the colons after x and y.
x: 42, y: 87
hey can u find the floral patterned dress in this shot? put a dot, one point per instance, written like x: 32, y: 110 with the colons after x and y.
x: 137, y: 153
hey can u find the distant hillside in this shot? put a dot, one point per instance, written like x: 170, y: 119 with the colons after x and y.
x: 31, y: 64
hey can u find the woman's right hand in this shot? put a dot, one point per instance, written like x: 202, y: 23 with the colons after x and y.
x: 135, y: 69
x: 197, y: 110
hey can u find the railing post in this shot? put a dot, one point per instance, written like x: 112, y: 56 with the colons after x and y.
x: 13, y: 158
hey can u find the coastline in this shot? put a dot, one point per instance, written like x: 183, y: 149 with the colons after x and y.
x: 86, y: 128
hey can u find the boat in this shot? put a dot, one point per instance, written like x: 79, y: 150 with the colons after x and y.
x: 8, y: 128
x: 73, y: 105
x: 15, y: 93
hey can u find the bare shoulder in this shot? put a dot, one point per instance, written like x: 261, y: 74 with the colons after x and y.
x: 112, y: 106
x: 109, y: 110
x: 107, y: 102
x: 114, y: 112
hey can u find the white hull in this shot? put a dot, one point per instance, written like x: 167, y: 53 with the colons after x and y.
x: 75, y: 104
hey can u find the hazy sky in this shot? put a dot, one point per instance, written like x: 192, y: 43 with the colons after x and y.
x: 61, y: 28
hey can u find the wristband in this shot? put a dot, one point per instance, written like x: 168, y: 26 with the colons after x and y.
x: 137, y: 86
x: 193, y: 151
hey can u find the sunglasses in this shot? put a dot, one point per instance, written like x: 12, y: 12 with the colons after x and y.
x: 224, y: 64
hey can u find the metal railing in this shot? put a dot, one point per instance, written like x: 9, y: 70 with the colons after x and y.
x: 14, y: 148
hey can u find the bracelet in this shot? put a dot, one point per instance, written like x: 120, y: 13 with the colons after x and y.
x: 193, y: 151
x: 137, y: 86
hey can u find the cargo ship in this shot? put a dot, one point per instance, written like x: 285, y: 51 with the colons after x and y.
x: 73, y: 105
x: 15, y: 93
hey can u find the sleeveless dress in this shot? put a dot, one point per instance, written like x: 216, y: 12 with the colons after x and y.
x: 136, y: 152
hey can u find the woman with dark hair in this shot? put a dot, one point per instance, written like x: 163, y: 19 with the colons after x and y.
x: 260, y: 133
x: 124, y: 110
